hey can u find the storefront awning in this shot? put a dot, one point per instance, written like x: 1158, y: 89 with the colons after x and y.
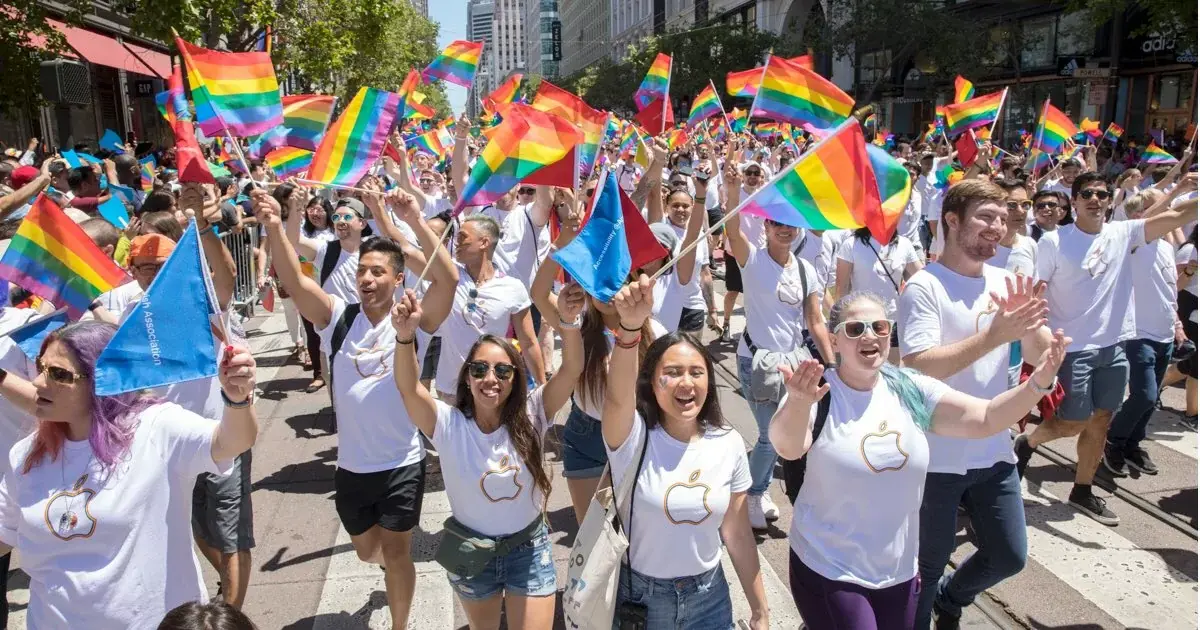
x: 107, y: 51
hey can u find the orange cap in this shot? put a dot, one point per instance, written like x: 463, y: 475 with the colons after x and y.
x: 151, y: 246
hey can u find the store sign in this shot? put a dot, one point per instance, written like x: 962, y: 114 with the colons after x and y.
x: 1092, y: 73
x: 1156, y: 43
x: 1098, y: 94
x: 556, y: 39
x: 1068, y: 65
x: 143, y: 88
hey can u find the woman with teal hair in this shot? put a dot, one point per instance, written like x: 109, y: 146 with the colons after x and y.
x: 855, y: 524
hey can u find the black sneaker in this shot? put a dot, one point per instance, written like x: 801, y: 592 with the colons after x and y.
x: 1139, y: 460
x: 1024, y: 453
x: 943, y: 620
x: 1092, y: 505
x: 1114, y: 462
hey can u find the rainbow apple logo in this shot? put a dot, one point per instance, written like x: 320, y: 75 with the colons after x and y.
x: 881, y: 450
x: 1096, y: 263
x: 68, y: 514
x: 687, y: 503
x: 500, y: 484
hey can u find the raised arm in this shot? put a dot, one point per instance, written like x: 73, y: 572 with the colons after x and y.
x: 301, y: 244
x: 653, y: 173
x: 686, y: 267
x: 790, y: 430
x: 739, y: 245
x: 443, y: 275
x: 206, y: 208
x: 458, y: 162
x: 312, y: 302
x: 558, y: 389
x: 406, y: 318
x: 634, y: 303
x: 238, y: 428
x: 1165, y: 222
x: 18, y: 198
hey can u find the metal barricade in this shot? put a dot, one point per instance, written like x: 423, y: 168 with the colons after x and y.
x: 243, y: 247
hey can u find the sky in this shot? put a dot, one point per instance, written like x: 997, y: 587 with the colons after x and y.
x: 451, y: 16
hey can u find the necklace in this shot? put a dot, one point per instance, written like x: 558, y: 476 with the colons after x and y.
x: 383, y: 363
x: 69, y: 519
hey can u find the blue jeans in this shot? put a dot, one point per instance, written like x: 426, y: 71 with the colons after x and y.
x: 993, y: 498
x: 526, y: 571
x: 698, y: 602
x: 1148, y: 362
x: 583, y: 453
x: 762, y: 458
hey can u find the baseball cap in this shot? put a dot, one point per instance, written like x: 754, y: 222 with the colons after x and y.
x: 152, y: 246
x: 24, y: 175
x: 666, y: 237
x: 356, y: 206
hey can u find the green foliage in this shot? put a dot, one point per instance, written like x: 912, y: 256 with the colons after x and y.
x: 25, y: 21
x: 435, y: 97
x: 1167, y: 17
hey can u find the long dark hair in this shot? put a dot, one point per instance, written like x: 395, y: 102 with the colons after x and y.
x: 647, y: 405
x: 309, y: 228
x: 594, y: 379
x: 512, y: 415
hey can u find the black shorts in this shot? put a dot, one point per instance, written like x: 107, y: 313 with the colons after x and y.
x: 222, y: 509
x: 432, y: 354
x: 390, y: 499
x: 691, y: 320
x: 733, y: 274
x: 714, y: 216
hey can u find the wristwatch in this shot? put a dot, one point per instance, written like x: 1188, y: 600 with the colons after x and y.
x: 237, y: 405
x: 1038, y: 388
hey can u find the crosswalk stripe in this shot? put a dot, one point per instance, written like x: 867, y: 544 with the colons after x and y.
x: 1169, y: 432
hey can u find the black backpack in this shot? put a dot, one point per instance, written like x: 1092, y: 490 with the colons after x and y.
x: 793, y: 469
x: 333, y: 252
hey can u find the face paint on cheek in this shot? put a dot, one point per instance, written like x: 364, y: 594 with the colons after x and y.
x: 663, y: 381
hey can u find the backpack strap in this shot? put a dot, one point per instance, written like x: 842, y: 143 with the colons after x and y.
x: 333, y: 251
x: 794, y: 469
x: 340, y: 330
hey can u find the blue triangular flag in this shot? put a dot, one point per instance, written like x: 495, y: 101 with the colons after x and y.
x: 168, y: 337
x: 31, y: 334
x: 72, y: 158
x: 599, y: 258
x: 111, y: 141
x: 114, y: 212
x: 125, y: 193
x: 89, y: 158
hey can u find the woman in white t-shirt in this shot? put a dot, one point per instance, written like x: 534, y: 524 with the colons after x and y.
x: 865, y: 264
x: 490, y: 444
x: 691, y: 480
x: 855, y: 523
x: 97, y: 500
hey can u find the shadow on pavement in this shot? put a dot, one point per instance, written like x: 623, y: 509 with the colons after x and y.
x: 358, y: 620
x: 297, y: 478
x: 277, y: 562
x: 312, y: 425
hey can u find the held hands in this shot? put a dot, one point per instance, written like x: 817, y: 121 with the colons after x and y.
x: 1047, y: 370
x: 635, y: 302
x: 804, y: 384
x: 1022, y: 311
x: 404, y: 205
x: 237, y: 373
x: 406, y: 316
x: 266, y: 209
x: 571, y: 302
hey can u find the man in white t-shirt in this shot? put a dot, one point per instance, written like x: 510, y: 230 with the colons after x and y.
x: 336, y: 261
x: 953, y: 330
x: 1068, y: 171
x: 1016, y: 252
x: 1087, y: 269
x: 925, y: 187
x: 380, y: 479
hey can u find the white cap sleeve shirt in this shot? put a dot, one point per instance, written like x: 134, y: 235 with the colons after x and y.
x: 489, y: 486
x: 940, y: 307
x: 774, y: 301
x: 857, y: 516
x: 110, y: 550
x: 1021, y: 258
x: 519, y: 253
x: 669, y: 297
x: 374, y: 431
x: 693, y: 294
x: 871, y: 272
x: 489, y: 312
x: 681, y: 498
x: 342, y: 281
x: 1154, y: 292
x: 1090, y: 280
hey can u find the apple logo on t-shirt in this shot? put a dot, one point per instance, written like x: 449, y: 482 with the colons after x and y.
x: 990, y: 309
x: 687, y: 503
x: 500, y: 483
x: 881, y: 450
x: 1096, y: 262
x: 68, y: 514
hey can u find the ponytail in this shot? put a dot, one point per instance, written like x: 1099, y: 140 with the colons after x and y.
x: 901, y: 384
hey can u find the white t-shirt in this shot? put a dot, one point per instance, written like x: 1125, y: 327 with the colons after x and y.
x: 826, y: 265
x: 693, y: 293
x: 754, y: 228
x: 343, y: 281
x: 909, y: 226
x: 436, y: 206
x: 1057, y: 185
x: 669, y: 296
x: 774, y: 301
x: 1154, y: 293
x: 14, y: 422
x: 1185, y: 255
x: 518, y: 254
x: 593, y: 408
x: 489, y: 486
x: 119, y: 553
x: 118, y: 299
x: 489, y: 312
x: 857, y: 516
x: 1090, y: 281
x: 1020, y: 258
x: 680, y: 499
x: 374, y: 431
x: 940, y: 307
x: 869, y: 275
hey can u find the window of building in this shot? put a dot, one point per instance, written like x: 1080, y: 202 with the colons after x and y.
x: 1076, y: 34
x: 1172, y: 91
x: 1037, y: 37
x: 875, y: 66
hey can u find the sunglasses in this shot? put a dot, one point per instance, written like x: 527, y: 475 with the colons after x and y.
x: 855, y: 328
x: 479, y: 369
x: 678, y: 184
x: 1024, y: 205
x: 590, y: 192
x: 1102, y: 195
x: 426, y: 182
x: 59, y: 375
x: 147, y: 267
x: 1046, y: 205
x: 345, y: 216
x: 524, y: 191
x: 472, y: 295
x: 753, y: 173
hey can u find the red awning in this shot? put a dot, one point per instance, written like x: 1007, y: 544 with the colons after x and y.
x: 107, y: 51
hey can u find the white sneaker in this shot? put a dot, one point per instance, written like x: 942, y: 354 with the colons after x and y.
x: 769, y: 510
x: 758, y: 520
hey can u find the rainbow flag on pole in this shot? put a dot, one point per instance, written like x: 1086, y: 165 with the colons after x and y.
x: 173, y: 103
x: 706, y: 104
x: 964, y: 90
x: 738, y: 119
x: 234, y: 93
x: 797, y: 95
x: 289, y: 161
x: 1113, y: 133
x: 305, y: 117
x: 147, y: 167
x: 506, y: 93
x: 52, y: 257
x: 656, y: 84
x: 743, y: 82
x: 976, y: 112
x: 1156, y: 155
x: 456, y: 64
x: 356, y: 139
x: 1054, y: 129
x: 554, y: 100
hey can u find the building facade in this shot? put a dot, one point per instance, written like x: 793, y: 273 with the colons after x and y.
x: 422, y: 6
x: 585, y: 33
x: 630, y: 21
x: 543, y: 38
x: 480, y: 15
x: 508, y: 38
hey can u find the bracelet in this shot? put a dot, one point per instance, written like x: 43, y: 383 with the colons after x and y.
x: 94, y: 305
x: 633, y: 330
x: 1038, y: 388
x: 237, y: 405
x: 405, y: 343
x: 575, y: 324
x: 632, y: 343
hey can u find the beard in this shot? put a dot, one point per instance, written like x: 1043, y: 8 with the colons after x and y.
x: 975, y: 247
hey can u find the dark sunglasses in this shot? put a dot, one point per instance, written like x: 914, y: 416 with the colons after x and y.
x: 1024, y: 205
x: 855, y: 328
x: 1102, y: 195
x: 472, y: 295
x: 1044, y: 205
x: 480, y: 369
x: 524, y: 191
x: 344, y: 216
x: 59, y: 375
x: 753, y: 173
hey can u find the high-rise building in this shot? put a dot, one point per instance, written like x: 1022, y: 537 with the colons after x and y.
x: 585, y: 33
x: 480, y: 14
x: 630, y: 21
x: 508, y: 38
x: 543, y: 38
x: 422, y: 6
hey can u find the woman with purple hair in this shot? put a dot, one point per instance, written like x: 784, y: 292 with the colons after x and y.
x: 98, y: 499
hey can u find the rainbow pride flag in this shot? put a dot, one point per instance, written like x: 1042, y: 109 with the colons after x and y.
x: 456, y: 64
x: 437, y: 143
x: 706, y: 104
x: 306, y: 116
x: 976, y: 112
x: 172, y: 103
x: 554, y: 100
x: 964, y: 90
x: 743, y: 82
x: 234, y: 93
x: 1090, y: 128
x: 147, y: 167
x: 1054, y: 129
x: 289, y: 161
x: 800, y: 96
x: 506, y: 93
x: 356, y: 139
x: 527, y: 141
x: 1156, y: 155
x: 738, y: 119
x: 1113, y: 133
x: 52, y: 257
x: 656, y: 84
x: 840, y: 183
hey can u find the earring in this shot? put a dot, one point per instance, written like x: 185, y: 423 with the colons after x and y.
x: 837, y: 359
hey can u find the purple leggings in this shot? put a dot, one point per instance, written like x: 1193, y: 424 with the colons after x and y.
x: 833, y: 605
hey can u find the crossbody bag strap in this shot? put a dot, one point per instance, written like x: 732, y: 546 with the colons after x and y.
x: 633, y: 489
x: 885, y: 267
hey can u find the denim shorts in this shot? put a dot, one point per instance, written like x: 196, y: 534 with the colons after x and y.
x: 583, y: 453
x: 527, y: 571
x: 698, y: 602
x: 1094, y: 380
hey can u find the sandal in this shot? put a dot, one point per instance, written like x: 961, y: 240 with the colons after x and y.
x: 316, y: 384
x: 305, y: 359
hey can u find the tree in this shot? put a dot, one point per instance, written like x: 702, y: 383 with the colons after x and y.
x: 24, y: 24
x: 1169, y: 18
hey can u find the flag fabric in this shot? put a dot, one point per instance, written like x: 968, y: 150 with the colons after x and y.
x: 964, y: 90
x: 306, y: 116
x: 554, y: 100
x: 743, y: 82
x: 354, y: 142
x: 794, y: 94
x: 189, y: 159
x: 237, y: 92
x: 1054, y: 129
x: 456, y: 64
x: 52, y: 257
x: 706, y: 104
x: 172, y: 103
x: 1089, y: 128
x: 265, y: 40
x: 113, y: 210
x: 148, y: 165
x: 838, y: 184
x: 968, y: 148
x: 738, y: 119
x: 1157, y: 135
x: 656, y: 119
x: 437, y: 143
x: 1156, y: 155
x: 168, y: 337
x: 507, y: 92
x: 976, y: 112
x: 613, y: 241
x: 894, y: 184
x: 30, y: 335
x: 112, y: 141
x: 1113, y: 133
x: 656, y: 84
x: 527, y: 141
x: 942, y: 176
x: 289, y: 161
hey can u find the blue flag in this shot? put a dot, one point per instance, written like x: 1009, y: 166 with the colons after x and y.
x: 168, y: 337
x: 112, y: 141
x: 124, y: 193
x: 31, y: 334
x: 114, y: 212
x: 72, y: 158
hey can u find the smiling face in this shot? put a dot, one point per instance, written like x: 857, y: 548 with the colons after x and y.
x: 316, y: 215
x: 1018, y: 206
x: 980, y: 230
x: 1091, y: 205
x: 780, y: 234
x: 58, y: 398
x: 347, y: 224
x: 489, y: 391
x: 377, y: 280
x: 681, y: 382
x: 679, y: 208
x: 867, y: 353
